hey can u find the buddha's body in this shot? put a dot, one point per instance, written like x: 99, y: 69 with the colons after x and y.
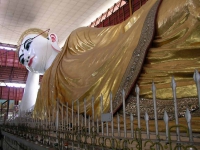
x: 94, y: 60
x: 174, y: 51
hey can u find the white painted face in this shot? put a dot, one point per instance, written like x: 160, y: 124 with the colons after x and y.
x: 33, y: 53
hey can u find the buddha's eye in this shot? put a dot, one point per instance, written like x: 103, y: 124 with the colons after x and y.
x: 27, y: 43
x: 22, y: 61
x: 21, y: 58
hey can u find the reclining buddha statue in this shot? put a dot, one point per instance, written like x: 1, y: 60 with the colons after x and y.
x: 157, y: 42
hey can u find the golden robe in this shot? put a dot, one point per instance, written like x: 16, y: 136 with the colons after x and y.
x: 174, y: 51
x: 95, y: 61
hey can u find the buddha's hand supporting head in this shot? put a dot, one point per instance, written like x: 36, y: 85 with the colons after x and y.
x: 36, y: 49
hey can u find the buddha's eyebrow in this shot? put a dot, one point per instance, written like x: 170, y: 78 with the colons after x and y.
x: 30, y: 39
x: 26, y: 41
x: 21, y: 56
x: 35, y: 36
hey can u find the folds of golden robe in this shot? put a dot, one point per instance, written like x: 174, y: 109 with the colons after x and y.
x: 175, y: 50
x: 93, y: 61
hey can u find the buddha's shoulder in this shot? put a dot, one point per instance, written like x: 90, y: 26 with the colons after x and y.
x: 84, y: 30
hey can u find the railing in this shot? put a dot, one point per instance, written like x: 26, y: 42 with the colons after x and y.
x: 118, y: 13
x: 78, y: 130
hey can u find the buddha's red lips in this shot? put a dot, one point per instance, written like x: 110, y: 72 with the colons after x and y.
x: 31, y: 61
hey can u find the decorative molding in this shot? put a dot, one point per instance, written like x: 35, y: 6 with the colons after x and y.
x: 162, y: 105
x: 136, y: 62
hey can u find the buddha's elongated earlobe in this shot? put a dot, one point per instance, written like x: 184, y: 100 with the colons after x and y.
x: 54, y: 41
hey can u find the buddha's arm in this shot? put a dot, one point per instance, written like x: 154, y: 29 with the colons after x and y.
x: 30, y: 92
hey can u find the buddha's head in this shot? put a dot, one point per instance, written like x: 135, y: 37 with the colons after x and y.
x: 35, y: 49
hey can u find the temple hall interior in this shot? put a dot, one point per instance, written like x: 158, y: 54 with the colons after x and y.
x: 99, y: 74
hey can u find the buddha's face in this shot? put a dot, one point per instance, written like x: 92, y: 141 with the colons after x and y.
x: 33, y: 53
